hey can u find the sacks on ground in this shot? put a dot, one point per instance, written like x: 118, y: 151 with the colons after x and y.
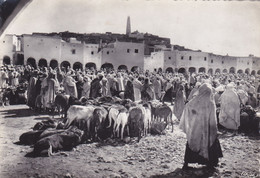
x: 45, y: 125
x: 158, y: 128
x: 65, y: 140
x: 249, y: 122
x: 249, y: 110
x: 30, y: 138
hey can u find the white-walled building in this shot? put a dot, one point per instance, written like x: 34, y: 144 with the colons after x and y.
x: 192, y: 61
x: 41, y: 50
x: 44, y: 50
x: 124, y: 53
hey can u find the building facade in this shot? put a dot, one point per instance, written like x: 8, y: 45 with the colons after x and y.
x: 43, y: 50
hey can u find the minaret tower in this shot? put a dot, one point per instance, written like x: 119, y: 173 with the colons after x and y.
x: 128, y: 26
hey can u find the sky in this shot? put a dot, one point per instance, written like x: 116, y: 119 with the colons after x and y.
x: 220, y: 27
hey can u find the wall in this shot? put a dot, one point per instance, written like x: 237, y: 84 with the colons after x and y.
x: 41, y: 47
x: 92, y: 54
x: 154, y: 61
x: 7, y: 47
x: 256, y: 64
x: 244, y: 63
x: 67, y: 53
x: 197, y: 59
x: 117, y: 54
x: 170, y: 59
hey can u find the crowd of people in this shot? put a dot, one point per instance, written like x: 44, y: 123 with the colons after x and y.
x: 201, y: 101
x: 136, y: 85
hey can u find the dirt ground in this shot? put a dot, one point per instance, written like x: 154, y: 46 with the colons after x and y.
x: 153, y: 156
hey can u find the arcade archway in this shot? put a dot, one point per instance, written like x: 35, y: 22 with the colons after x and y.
x: 217, y: 71
x: 19, y: 59
x: 202, y: 69
x: 54, y: 64
x: 6, y: 60
x: 225, y: 71
x: 42, y: 63
x: 253, y: 72
x: 135, y: 69
x: 232, y: 70
x: 107, y: 66
x: 169, y: 70
x: 210, y: 71
x: 247, y: 71
x: 31, y: 61
x: 122, y: 68
x: 182, y: 70
x: 192, y: 70
x: 240, y: 71
x: 91, y: 66
x: 65, y: 65
x: 77, y: 66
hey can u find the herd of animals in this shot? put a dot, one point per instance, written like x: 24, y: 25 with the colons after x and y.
x: 85, y: 121
x: 102, y: 118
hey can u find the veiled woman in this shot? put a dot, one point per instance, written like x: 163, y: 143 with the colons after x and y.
x: 229, y: 115
x: 199, y: 123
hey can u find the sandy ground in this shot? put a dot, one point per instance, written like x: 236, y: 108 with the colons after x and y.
x: 153, y: 156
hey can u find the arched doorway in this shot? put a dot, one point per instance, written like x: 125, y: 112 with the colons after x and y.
x: 42, y: 63
x: 77, y: 66
x: 169, y: 70
x: 122, y: 68
x: 247, y: 71
x: 53, y: 63
x: 107, y: 66
x: 225, y: 71
x: 253, y: 72
x: 192, y: 70
x: 65, y: 65
x: 135, y: 69
x: 19, y: 59
x: 91, y: 66
x: 31, y: 61
x: 202, y: 69
x: 258, y: 72
x: 240, y: 71
x: 6, y: 60
x: 182, y: 70
x: 210, y: 71
x: 232, y: 70
x: 217, y: 71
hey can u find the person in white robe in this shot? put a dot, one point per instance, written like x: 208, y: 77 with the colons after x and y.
x: 199, y: 123
x: 229, y: 116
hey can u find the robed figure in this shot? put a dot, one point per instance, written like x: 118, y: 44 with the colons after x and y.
x: 229, y: 115
x: 199, y: 123
x: 129, y: 89
x: 96, y: 87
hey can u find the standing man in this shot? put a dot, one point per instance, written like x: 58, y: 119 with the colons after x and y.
x: 96, y: 87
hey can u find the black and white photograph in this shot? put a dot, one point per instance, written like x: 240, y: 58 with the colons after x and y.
x: 129, y: 88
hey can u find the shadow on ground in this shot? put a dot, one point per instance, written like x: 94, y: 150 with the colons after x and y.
x: 192, y: 173
x: 24, y: 112
x: 12, y: 113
